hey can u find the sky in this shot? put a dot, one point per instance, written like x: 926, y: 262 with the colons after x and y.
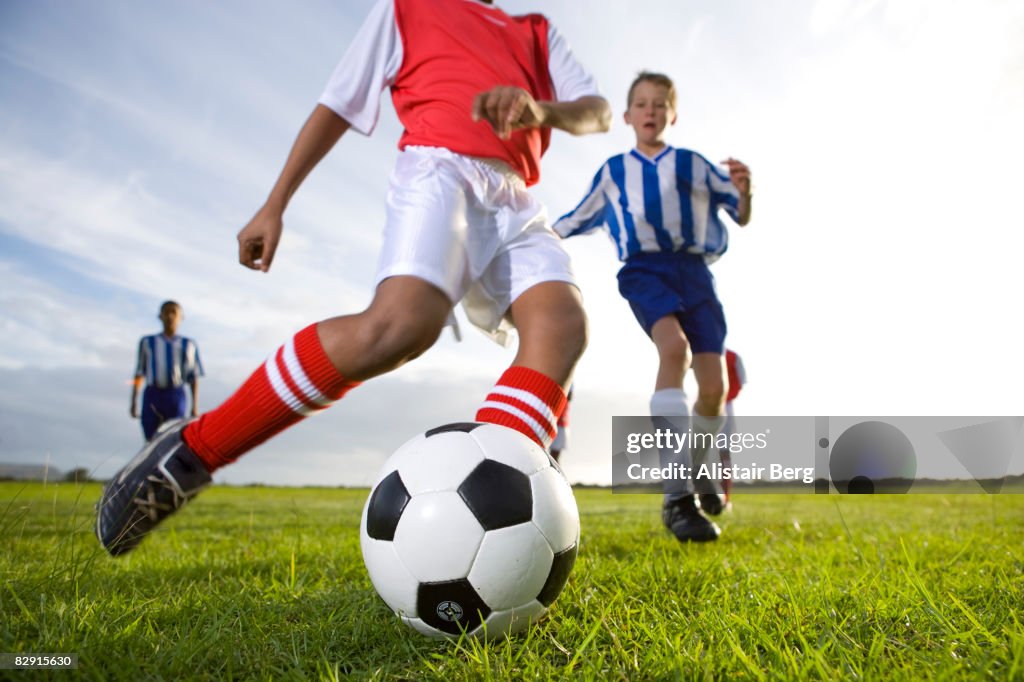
x: 880, y: 275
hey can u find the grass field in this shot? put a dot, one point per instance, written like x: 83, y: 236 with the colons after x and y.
x: 269, y: 583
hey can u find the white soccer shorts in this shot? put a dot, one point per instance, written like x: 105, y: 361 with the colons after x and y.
x: 469, y: 227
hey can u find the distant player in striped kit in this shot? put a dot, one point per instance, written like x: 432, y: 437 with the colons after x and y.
x: 660, y: 206
x: 166, y: 364
x: 478, y: 92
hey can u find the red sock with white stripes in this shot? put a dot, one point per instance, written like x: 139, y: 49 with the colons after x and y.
x: 527, y: 401
x: 295, y: 382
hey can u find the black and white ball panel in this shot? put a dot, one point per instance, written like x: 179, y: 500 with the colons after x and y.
x: 385, y: 507
x: 395, y: 584
x: 558, y: 576
x: 554, y: 496
x: 520, y: 453
x: 451, y: 606
x: 497, y: 624
x: 423, y: 473
x: 448, y: 553
x: 511, y: 562
x: 464, y: 427
x: 499, y: 495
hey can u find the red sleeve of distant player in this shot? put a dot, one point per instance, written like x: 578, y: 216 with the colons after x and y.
x: 734, y: 377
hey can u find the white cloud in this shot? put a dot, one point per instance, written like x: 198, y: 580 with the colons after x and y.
x: 46, y: 327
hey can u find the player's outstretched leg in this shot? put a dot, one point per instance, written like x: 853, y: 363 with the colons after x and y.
x: 303, y: 377
x: 680, y: 512
x: 530, y: 396
x: 159, y: 481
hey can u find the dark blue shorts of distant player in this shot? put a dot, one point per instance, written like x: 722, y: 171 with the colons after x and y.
x: 680, y: 284
x: 160, y: 405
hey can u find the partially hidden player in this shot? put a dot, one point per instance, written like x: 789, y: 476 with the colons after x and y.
x: 166, y: 364
x: 660, y: 205
x: 737, y: 380
x: 561, y: 441
x: 478, y: 92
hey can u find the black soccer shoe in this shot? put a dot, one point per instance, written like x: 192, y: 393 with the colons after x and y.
x: 713, y: 503
x: 155, y: 484
x: 687, y: 522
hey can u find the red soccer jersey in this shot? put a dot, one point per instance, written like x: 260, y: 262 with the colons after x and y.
x: 436, y: 56
x: 455, y: 49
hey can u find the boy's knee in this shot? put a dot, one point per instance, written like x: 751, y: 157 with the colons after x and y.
x: 552, y: 340
x: 574, y: 331
x: 712, y: 393
x: 393, y: 340
x: 675, y: 350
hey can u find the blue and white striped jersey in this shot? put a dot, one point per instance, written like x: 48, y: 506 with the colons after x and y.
x: 668, y: 203
x: 168, y: 362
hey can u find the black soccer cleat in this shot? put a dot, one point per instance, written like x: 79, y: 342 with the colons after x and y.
x: 156, y: 483
x: 687, y: 522
x: 713, y: 503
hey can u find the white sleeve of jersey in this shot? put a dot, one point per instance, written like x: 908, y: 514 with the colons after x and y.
x: 724, y: 194
x: 719, y: 182
x: 570, y: 79
x: 589, y: 213
x: 370, y: 65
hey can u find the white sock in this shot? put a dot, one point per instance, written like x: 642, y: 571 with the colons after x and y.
x: 672, y: 402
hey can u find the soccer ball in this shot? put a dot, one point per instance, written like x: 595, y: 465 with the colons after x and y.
x: 470, y: 528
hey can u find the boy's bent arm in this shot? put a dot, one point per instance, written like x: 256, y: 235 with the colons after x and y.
x: 739, y: 175
x: 133, y: 408
x: 138, y: 379
x: 258, y: 240
x: 745, y: 209
x: 590, y: 114
x: 509, y: 108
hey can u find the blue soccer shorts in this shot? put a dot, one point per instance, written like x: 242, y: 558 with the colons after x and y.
x: 160, y: 405
x: 680, y: 284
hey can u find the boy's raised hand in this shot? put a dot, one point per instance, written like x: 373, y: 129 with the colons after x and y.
x: 739, y: 173
x: 258, y: 240
x: 508, y: 108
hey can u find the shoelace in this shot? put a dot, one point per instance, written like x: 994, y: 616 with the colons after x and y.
x: 150, y: 506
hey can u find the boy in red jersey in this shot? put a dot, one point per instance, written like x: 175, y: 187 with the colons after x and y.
x: 478, y: 92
